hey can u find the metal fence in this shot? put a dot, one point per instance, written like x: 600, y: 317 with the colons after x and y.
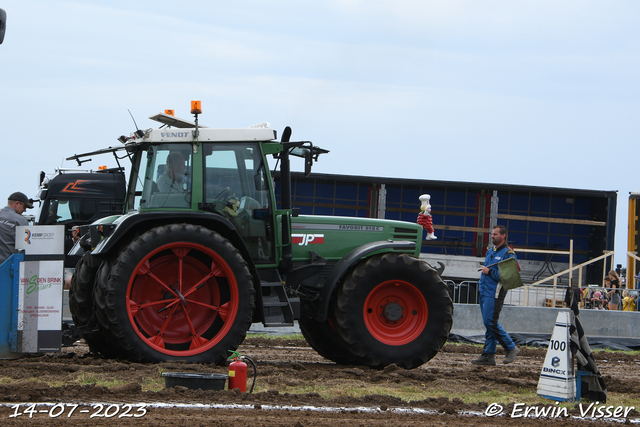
x: 548, y: 292
x: 466, y: 292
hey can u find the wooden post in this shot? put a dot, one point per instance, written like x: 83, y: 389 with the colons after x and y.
x: 571, y: 262
x: 580, y: 277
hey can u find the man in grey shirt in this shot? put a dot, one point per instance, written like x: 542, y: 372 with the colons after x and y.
x: 10, y: 216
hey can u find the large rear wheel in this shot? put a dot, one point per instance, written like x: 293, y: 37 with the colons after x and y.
x: 178, y: 292
x: 394, y: 308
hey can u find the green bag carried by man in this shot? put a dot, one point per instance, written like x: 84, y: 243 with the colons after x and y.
x: 509, y: 274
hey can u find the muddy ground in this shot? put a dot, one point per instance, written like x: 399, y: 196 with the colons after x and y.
x: 41, y: 378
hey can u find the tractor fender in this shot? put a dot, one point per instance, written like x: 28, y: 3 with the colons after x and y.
x: 136, y: 222
x: 347, y: 262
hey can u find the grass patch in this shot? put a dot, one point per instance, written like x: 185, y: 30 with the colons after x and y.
x: 88, y: 378
x: 405, y: 393
x: 416, y: 393
x: 611, y: 350
x: 153, y: 384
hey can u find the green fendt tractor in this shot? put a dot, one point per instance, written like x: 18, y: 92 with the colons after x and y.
x: 203, y: 251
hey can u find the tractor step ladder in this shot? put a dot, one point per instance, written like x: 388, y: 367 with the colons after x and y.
x: 277, y: 310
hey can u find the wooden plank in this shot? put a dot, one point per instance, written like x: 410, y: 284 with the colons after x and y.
x: 458, y: 228
x: 554, y: 220
x: 296, y: 202
x: 434, y: 212
x: 542, y: 251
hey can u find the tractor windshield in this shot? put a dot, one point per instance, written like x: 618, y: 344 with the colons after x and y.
x: 167, y: 181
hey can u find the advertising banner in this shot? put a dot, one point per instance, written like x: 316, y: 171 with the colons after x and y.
x: 40, y: 286
x: 40, y: 307
x: 45, y: 240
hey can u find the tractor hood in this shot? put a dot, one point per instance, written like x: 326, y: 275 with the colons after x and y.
x: 334, y: 237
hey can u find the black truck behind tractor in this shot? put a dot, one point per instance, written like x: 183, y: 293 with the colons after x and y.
x: 79, y: 197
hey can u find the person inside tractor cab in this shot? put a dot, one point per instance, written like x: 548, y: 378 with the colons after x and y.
x: 173, y: 180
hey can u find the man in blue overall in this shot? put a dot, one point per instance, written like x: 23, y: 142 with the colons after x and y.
x: 492, y: 296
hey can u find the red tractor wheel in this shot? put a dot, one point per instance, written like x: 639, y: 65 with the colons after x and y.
x: 179, y: 292
x: 394, y: 308
x: 395, y: 312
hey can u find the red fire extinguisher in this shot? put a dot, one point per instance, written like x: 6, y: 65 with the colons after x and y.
x: 237, y: 372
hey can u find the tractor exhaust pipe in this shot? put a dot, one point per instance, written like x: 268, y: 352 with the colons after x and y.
x: 285, y: 197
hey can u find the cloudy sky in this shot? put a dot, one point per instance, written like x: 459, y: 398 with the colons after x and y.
x: 537, y: 92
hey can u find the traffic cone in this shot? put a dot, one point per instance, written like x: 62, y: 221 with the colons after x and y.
x: 557, y: 379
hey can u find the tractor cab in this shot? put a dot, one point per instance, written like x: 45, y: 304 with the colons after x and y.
x: 225, y: 178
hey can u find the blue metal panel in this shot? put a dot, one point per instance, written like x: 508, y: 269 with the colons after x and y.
x: 9, y: 276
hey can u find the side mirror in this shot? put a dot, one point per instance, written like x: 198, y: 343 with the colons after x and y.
x: 308, y: 162
x: 3, y: 24
x: 259, y: 182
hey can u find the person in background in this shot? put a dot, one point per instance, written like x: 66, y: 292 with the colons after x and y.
x: 628, y: 301
x: 597, y: 301
x: 586, y: 299
x: 615, y: 279
x: 615, y: 301
x: 70, y: 261
x: 10, y: 217
x: 75, y: 233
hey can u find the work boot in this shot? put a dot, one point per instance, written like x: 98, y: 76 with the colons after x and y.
x: 511, y: 355
x: 485, y: 359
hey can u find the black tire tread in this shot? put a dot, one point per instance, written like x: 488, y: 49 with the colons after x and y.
x: 81, y: 294
x: 100, y: 340
x: 350, y: 326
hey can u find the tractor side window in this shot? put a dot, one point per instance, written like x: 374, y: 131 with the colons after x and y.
x: 139, y: 178
x: 222, y: 176
x: 235, y: 174
x: 167, y: 182
x: 235, y: 183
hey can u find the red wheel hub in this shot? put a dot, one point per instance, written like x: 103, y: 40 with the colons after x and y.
x: 182, y: 298
x: 395, y: 312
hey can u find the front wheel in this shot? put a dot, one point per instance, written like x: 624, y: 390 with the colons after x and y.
x: 81, y: 305
x: 394, y: 308
x: 178, y: 292
x: 81, y: 294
